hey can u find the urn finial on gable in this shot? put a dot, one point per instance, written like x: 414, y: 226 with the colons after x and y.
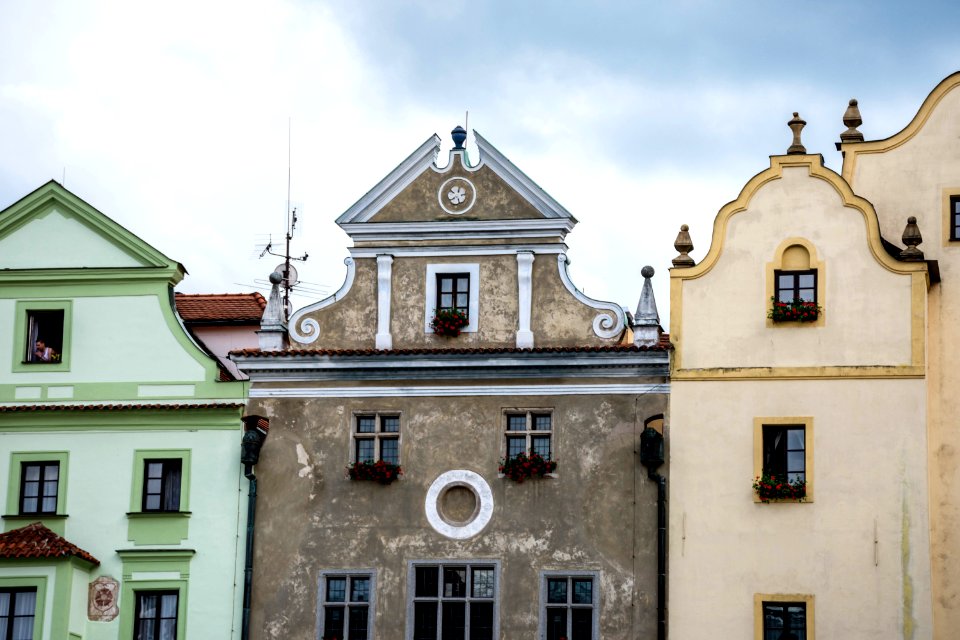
x: 796, y: 125
x: 852, y: 120
x: 459, y: 135
x: 684, y: 245
x: 911, y: 237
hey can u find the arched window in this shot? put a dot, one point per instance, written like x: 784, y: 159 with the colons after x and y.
x: 796, y: 275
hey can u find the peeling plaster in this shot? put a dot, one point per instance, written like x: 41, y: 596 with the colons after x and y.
x: 306, y: 471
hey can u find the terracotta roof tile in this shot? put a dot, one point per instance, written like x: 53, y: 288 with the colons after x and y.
x: 662, y: 345
x: 221, y: 307
x: 117, y: 407
x: 36, y: 541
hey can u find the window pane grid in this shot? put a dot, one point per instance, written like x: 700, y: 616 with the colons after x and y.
x: 156, y: 615
x: 569, y: 607
x: 784, y: 452
x: 955, y: 217
x: 796, y: 285
x: 38, y: 487
x: 346, y: 608
x: 447, y: 609
x: 161, y: 485
x: 453, y: 292
x: 784, y: 620
x: 377, y: 437
x: 529, y: 432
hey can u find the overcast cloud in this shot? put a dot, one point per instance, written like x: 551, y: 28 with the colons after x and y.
x: 637, y: 116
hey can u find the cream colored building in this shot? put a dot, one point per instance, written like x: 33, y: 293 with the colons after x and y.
x: 839, y: 402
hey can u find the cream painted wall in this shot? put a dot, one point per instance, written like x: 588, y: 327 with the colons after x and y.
x: 869, y: 465
x: 866, y: 308
x: 59, y: 240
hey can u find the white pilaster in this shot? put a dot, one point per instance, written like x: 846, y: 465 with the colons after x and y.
x: 384, y: 278
x: 525, y: 297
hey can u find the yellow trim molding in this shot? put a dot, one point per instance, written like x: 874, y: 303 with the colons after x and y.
x: 851, y: 150
x: 760, y: 598
x: 864, y: 372
x: 813, y: 263
x: 807, y: 424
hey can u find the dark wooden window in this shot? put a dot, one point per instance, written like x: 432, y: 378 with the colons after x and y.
x: 155, y: 617
x: 796, y: 285
x: 784, y: 621
x: 17, y: 610
x: 570, y: 607
x: 784, y: 451
x: 530, y: 432
x: 955, y: 217
x: 39, y: 482
x: 453, y: 292
x: 346, y: 607
x: 44, y: 336
x: 454, y: 602
x: 377, y: 437
x: 161, y: 484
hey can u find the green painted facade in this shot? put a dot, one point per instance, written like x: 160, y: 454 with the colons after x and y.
x: 127, y: 387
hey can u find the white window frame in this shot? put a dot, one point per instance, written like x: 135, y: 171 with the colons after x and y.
x: 430, y: 301
x: 377, y: 435
x: 440, y: 564
x: 371, y: 574
x: 544, y: 575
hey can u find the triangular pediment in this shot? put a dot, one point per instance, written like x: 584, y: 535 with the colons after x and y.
x: 52, y: 228
x: 418, y: 191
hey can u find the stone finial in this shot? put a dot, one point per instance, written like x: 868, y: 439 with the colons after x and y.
x: 273, y: 327
x: 459, y: 135
x: 646, y: 322
x: 796, y: 125
x: 684, y: 245
x: 911, y: 238
x: 852, y: 120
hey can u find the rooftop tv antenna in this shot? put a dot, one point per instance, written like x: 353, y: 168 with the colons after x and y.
x: 287, y: 270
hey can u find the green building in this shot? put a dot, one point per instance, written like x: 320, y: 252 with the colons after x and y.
x: 119, y: 439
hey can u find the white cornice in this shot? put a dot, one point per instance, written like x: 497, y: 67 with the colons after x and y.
x: 452, y: 391
x: 460, y: 229
x: 440, y: 251
x: 395, y: 182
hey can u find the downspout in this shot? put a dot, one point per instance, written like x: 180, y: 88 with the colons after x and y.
x: 651, y: 456
x: 255, y: 432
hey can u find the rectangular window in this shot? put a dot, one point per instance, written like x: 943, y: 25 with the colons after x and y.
x: 17, y: 610
x: 345, y: 606
x: 39, y: 484
x: 530, y: 432
x: 784, y: 620
x: 569, y: 606
x: 784, y: 451
x: 44, y: 336
x: 377, y: 437
x: 161, y: 484
x: 454, y: 601
x: 453, y: 292
x: 155, y: 617
x: 955, y: 217
x: 795, y: 285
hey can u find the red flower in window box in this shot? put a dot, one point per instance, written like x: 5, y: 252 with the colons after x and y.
x: 525, y: 466
x: 796, y: 311
x: 379, y: 471
x: 768, y: 487
x: 449, y: 322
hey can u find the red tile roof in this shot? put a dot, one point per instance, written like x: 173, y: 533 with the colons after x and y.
x: 662, y: 345
x: 221, y: 307
x: 118, y: 407
x: 36, y: 541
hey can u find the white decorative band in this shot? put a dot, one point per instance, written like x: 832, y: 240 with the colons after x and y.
x: 307, y: 330
x: 481, y: 390
x: 608, y: 324
x: 480, y: 488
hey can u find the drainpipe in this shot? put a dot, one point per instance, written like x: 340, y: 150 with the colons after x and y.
x: 651, y: 456
x: 255, y: 432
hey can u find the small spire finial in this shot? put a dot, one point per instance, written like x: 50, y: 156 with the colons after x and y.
x: 646, y: 322
x: 911, y: 238
x: 852, y: 120
x: 796, y: 125
x: 459, y: 135
x: 684, y: 245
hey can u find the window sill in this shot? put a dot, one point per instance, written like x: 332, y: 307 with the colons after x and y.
x: 35, y: 516
x: 159, y: 514
x: 553, y: 475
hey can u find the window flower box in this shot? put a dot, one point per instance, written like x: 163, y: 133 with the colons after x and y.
x: 796, y: 311
x: 379, y: 471
x: 525, y: 466
x: 449, y: 322
x: 770, y: 488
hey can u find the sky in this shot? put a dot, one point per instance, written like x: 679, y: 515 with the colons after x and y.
x: 185, y: 121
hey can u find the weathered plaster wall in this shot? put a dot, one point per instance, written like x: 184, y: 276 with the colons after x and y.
x: 915, y: 179
x: 866, y: 308
x: 418, y: 202
x: 869, y: 466
x: 351, y: 322
x: 310, y: 517
x: 559, y: 318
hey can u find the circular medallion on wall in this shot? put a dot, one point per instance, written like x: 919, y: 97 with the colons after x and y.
x: 459, y: 504
x: 457, y: 195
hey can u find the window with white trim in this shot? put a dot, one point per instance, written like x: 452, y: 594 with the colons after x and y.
x: 452, y: 286
x: 569, y: 606
x: 453, y: 601
x: 376, y: 437
x: 345, y: 601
